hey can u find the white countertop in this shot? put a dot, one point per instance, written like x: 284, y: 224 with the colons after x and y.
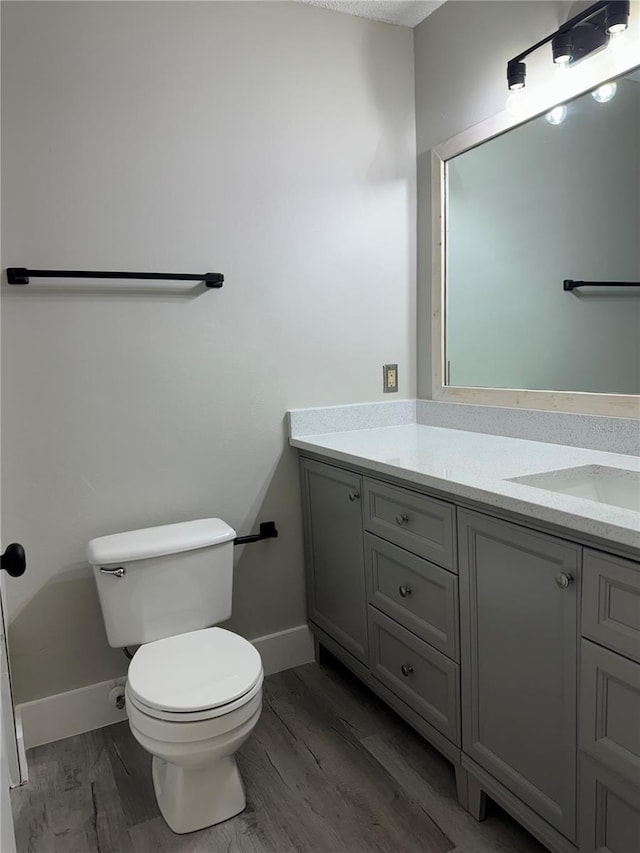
x: 477, y: 466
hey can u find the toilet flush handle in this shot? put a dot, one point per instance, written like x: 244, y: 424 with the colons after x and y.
x: 120, y: 572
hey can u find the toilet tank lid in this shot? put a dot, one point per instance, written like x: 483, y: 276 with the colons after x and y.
x: 158, y: 541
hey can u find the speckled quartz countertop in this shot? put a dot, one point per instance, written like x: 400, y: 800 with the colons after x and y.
x: 478, y: 467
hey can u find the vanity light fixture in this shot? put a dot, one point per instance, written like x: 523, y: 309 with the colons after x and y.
x: 581, y: 36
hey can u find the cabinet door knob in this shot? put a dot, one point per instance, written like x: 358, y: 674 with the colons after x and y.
x: 406, y: 669
x: 404, y: 591
x: 564, y: 580
x: 402, y: 518
x: 353, y: 495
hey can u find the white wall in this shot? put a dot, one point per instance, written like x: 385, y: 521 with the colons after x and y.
x: 272, y: 142
x: 461, y: 51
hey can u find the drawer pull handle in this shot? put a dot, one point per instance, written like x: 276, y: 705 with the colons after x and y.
x: 404, y: 591
x: 564, y: 580
x: 406, y: 669
x: 353, y: 495
x: 402, y: 518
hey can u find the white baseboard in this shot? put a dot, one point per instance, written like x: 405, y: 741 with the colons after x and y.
x: 76, y: 711
x: 71, y: 713
x: 285, y: 649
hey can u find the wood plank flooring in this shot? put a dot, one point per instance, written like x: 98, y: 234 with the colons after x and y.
x: 329, y: 769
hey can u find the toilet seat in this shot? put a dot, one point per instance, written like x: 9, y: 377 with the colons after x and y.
x: 194, y: 676
x: 192, y: 716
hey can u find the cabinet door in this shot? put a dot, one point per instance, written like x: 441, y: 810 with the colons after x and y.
x: 519, y: 654
x: 336, y: 593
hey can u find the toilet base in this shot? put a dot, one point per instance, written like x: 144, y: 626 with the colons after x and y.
x: 192, y: 798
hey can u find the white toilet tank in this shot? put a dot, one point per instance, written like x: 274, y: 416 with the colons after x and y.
x: 172, y: 579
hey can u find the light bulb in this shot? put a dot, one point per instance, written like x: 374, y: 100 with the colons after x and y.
x: 557, y: 115
x: 516, y: 104
x: 616, y: 29
x: 604, y: 93
x: 563, y: 59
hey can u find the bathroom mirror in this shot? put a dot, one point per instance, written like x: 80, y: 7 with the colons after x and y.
x: 553, y: 199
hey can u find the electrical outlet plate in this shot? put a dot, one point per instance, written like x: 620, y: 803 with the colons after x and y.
x: 389, y: 378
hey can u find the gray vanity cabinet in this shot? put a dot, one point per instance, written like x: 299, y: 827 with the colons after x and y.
x: 475, y: 639
x: 518, y: 619
x: 336, y: 592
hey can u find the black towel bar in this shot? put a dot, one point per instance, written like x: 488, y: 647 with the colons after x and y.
x: 21, y: 275
x: 570, y: 284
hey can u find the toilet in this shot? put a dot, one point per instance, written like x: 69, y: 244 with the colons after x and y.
x: 193, y: 692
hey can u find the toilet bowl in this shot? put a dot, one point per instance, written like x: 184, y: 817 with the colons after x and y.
x: 192, y: 701
x: 194, y: 692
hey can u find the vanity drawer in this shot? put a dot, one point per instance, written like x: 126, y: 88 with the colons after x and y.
x: 610, y: 710
x: 420, y: 524
x: 611, y: 602
x: 419, y: 595
x: 609, y: 811
x: 419, y: 675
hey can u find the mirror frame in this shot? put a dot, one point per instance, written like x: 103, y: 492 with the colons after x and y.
x: 593, y: 74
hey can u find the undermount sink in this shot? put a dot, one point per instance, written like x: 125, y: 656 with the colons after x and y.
x: 615, y: 486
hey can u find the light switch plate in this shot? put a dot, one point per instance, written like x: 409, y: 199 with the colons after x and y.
x: 389, y: 378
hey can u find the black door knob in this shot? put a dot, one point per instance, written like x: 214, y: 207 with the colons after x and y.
x: 13, y: 561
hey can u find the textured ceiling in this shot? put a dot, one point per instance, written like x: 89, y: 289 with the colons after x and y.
x: 407, y: 13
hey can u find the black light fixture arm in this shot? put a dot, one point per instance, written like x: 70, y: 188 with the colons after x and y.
x: 576, y: 39
x: 21, y: 275
x: 267, y: 531
x: 535, y: 47
x: 568, y: 25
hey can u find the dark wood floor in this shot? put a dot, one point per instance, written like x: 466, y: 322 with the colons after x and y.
x: 329, y: 769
